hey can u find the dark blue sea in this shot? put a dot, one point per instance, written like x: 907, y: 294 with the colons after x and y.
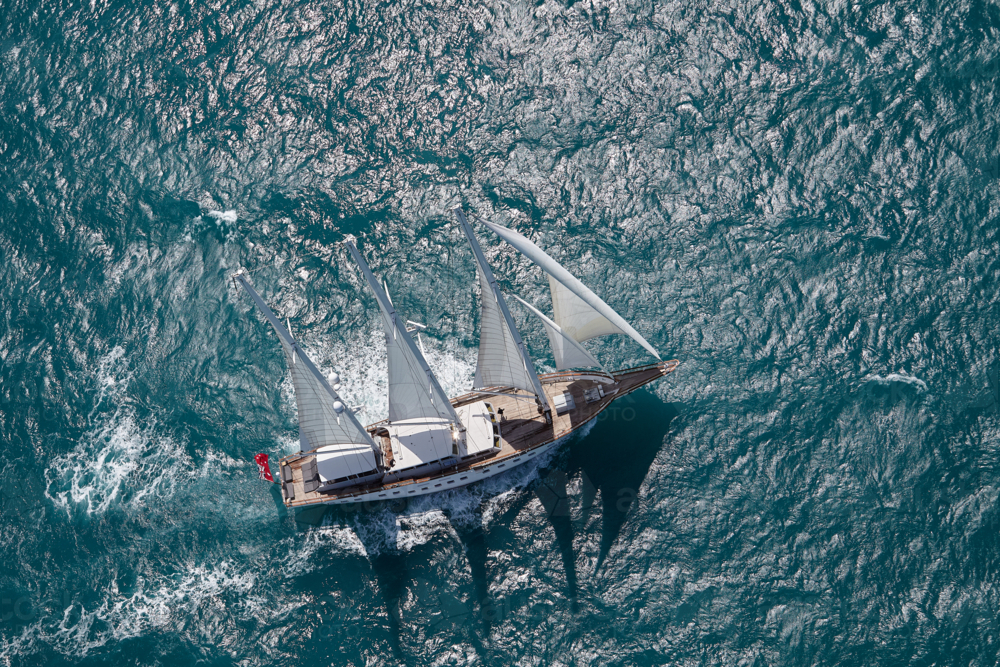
x: 799, y: 200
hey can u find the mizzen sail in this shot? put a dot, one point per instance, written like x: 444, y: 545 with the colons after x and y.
x: 576, y: 309
x: 324, y: 418
x: 414, y: 392
x: 503, y: 358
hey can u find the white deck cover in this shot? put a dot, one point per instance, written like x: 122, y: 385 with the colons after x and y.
x: 418, y: 441
x: 479, y: 428
x: 338, y: 461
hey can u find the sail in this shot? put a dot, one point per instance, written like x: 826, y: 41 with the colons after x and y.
x: 500, y: 363
x: 324, y: 418
x: 581, y: 313
x: 576, y: 317
x: 567, y: 351
x: 414, y: 392
x: 503, y: 358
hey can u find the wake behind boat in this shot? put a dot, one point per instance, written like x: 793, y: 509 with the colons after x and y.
x: 431, y: 443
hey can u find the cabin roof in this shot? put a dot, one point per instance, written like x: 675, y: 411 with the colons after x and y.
x: 419, y: 441
x: 337, y: 461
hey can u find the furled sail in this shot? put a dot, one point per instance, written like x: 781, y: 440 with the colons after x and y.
x: 567, y: 351
x: 414, y: 392
x: 577, y: 310
x: 324, y: 418
x: 503, y: 358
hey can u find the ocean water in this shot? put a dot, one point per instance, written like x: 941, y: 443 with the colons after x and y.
x: 799, y: 200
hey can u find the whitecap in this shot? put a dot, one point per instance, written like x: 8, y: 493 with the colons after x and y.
x: 167, y: 604
x: 899, y: 377
x: 223, y: 216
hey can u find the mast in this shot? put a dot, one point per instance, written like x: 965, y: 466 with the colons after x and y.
x: 495, y: 360
x: 324, y: 418
x: 414, y: 392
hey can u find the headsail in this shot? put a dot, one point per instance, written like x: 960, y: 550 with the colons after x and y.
x: 568, y: 353
x: 414, y: 392
x: 503, y: 358
x: 580, y: 312
x: 324, y: 418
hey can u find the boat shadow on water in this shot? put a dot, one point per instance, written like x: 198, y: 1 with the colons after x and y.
x: 600, y: 471
x: 616, y: 456
x: 610, y: 463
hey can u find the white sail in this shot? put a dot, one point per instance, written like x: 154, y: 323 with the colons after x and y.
x: 324, y: 418
x: 568, y: 353
x: 576, y: 317
x: 503, y: 358
x: 414, y: 392
x: 581, y: 314
x: 500, y: 363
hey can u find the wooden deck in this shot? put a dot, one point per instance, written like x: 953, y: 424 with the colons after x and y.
x: 522, y: 428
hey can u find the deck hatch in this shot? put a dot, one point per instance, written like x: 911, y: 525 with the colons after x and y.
x: 563, y: 402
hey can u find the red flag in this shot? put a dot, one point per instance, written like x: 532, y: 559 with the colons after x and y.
x: 263, y: 470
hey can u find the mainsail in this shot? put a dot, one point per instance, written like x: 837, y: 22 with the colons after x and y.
x: 414, y: 392
x: 503, y: 358
x: 579, y: 312
x: 567, y: 350
x: 324, y: 418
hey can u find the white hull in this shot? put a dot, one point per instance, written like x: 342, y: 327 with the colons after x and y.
x: 451, y: 481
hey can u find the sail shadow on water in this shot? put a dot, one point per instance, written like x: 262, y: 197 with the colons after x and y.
x: 473, y: 536
x: 377, y: 531
x: 418, y: 586
x: 552, y: 492
x: 615, y: 457
x: 339, y: 620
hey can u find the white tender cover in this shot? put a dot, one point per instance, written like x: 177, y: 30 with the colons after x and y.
x: 342, y: 460
x: 479, y: 428
x: 418, y: 441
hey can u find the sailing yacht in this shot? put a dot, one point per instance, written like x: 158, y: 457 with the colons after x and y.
x: 430, y: 442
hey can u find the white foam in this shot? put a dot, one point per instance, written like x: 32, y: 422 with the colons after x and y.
x: 335, y: 538
x: 213, y: 463
x: 362, y: 364
x: 414, y: 530
x: 899, y: 377
x: 117, y: 463
x: 223, y: 216
x: 112, y: 375
x: 168, y: 604
x: 170, y: 601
